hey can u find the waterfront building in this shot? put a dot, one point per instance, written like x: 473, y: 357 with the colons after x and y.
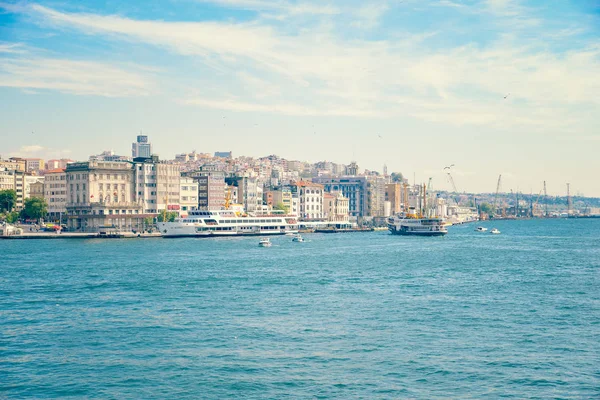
x: 157, y: 185
x: 354, y: 188
x: 188, y: 195
x: 211, y: 188
x: 336, y: 207
x: 310, y: 197
x: 102, y: 194
x: 141, y: 147
x: 55, y: 193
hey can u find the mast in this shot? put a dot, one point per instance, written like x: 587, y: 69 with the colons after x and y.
x: 425, y: 199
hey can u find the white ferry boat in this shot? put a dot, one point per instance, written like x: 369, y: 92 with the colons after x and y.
x: 228, y: 223
x: 410, y: 224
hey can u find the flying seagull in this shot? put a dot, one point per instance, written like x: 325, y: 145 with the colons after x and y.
x: 506, y: 96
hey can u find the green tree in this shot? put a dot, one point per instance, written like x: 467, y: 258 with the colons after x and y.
x: 8, y: 199
x: 34, y: 208
x: 148, y: 222
x: 397, y: 177
x: 167, y: 216
x: 280, y: 206
x: 486, y: 208
x: 12, y: 217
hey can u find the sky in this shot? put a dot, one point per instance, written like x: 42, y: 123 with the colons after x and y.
x: 508, y: 87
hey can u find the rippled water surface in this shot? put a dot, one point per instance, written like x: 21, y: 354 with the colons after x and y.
x: 357, y: 315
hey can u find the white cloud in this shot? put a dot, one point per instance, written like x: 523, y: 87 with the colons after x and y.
x: 12, y: 48
x: 277, y: 6
x: 31, y: 149
x: 368, y: 15
x: 71, y: 76
x: 313, y: 72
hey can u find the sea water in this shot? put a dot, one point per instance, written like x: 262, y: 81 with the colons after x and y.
x: 352, y: 315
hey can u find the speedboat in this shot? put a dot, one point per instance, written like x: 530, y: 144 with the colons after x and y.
x: 265, y: 242
x: 480, y: 229
x: 495, y: 231
x: 298, y: 238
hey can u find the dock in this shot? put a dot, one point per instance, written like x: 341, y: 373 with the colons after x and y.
x: 80, y: 235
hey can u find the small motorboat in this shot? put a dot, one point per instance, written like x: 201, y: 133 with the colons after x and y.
x: 264, y: 242
x: 480, y: 229
x: 495, y: 231
x: 298, y: 238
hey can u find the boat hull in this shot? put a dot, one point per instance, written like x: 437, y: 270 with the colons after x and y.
x: 418, y: 233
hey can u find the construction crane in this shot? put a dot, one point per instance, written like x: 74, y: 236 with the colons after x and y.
x: 496, y: 196
x: 448, y: 172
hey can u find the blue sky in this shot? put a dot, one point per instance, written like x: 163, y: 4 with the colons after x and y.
x: 416, y: 85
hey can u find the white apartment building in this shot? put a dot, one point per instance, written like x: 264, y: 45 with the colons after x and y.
x: 55, y: 192
x: 7, y: 179
x: 188, y: 195
x: 310, y: 197
x: 157, y: 186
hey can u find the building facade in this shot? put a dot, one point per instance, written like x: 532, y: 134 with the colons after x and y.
x: 188, y: 195
x: 310, y: 196
x: 102, y: 194
x: 7, y: 179
x: 211, y: 188
x: 157, y: 185
x: 55, y: 193
x: 354, y: 188
x: 336, y: 207
x: 34, y: 164
x: 393, y: 194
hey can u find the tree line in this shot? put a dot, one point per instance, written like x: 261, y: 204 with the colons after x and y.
x: 34, y: 208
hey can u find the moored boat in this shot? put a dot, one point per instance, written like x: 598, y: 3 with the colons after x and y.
x: 411, y: 224
x: 201, y: 223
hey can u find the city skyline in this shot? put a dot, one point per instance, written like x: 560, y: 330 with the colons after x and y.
x: 494, y: 87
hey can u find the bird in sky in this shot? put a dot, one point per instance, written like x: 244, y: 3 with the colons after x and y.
x: 380, y: 137
x: 506, y: 96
